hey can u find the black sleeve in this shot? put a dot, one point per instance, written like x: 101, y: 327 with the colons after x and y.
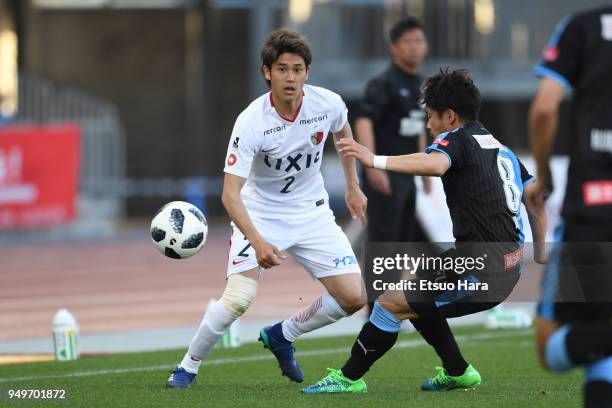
x: 453, y: 146
x: 375, y: 99
x: 561, y: 57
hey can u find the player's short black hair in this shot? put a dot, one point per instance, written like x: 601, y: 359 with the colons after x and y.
x: 452, y: 90
x: 285, y: 40
x: 407, y: 24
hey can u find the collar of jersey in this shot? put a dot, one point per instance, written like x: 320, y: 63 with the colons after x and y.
x: 286, y: 119
x: 399, y: 70
x: 441, y: 136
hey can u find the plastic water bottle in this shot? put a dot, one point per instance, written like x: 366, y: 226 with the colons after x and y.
x: 231, y: 338
x: 65, y: 336
x: 501, y: 318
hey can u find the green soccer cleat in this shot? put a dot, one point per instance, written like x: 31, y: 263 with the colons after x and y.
x: 442, y: 381
x: 336, y: 383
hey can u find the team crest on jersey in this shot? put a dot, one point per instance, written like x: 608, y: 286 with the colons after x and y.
x: 316, y: 137
x: 235, y: 144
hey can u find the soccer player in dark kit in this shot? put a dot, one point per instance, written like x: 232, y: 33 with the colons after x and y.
x: 391, y: 121
x: 484, y: 182
x: 570, y: 330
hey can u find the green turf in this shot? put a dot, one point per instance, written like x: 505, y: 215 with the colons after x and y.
x: 510, y: 374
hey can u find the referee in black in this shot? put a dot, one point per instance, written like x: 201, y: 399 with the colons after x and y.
x: 571, y: 333
x: 390, y: 121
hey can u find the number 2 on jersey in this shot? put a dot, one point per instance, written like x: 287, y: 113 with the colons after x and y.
x: 289, y: 181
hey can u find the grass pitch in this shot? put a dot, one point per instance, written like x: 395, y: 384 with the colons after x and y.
x: 249, y: 377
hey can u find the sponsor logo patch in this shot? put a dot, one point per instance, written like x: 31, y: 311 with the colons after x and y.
x: 488, y: 142
x: 597, y: 192
x: 513, y: 258
x: 344, y: 261
x: 314, y: 119
x: 235, y: 144
x: 441, y: 142
x: 550, y: 54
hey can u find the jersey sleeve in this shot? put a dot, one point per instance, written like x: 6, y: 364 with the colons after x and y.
x: 561, y: 57
x: 242, y: 148
x: 375, y: 100
x: 340, y: 115
x: 450, y: 145
x: 526, y: 177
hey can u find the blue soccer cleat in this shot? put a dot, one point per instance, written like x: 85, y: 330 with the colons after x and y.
x: 272, y: 339
x: 180, y: 378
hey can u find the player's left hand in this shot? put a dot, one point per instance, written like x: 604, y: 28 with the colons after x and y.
x: 535, y: 195
x: 348, y: 147
x: 357, y: 203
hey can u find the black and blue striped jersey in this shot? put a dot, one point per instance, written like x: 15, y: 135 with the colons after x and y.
x: 483, y: 185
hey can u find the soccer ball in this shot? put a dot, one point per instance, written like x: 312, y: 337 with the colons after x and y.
x: 179, y: 230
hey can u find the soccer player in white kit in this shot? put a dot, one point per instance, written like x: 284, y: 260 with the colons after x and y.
x: 274, y: 194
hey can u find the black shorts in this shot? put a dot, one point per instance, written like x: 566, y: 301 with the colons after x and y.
x: 577, y: 282
x: 468, y: 295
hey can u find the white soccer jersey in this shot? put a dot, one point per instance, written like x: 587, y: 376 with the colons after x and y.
x: 281, y: 157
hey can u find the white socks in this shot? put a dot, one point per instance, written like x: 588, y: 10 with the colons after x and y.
x: 321, y: 312
x: 216, y: 321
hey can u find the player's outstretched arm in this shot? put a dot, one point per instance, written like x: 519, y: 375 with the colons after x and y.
x: 356, y: 201
x: 267, y: 254
x: 536, y: 213
x: 420, y: 164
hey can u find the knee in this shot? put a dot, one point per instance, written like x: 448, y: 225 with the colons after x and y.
x: 352, y: 302
x: 395, y: 303
x: 239, y: 294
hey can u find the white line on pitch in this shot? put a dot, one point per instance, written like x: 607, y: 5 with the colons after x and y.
x: 260, y: 357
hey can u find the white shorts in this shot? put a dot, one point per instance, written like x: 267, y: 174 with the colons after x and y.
x: 318, y: 244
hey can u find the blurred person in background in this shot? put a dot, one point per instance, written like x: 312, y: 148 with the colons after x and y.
x: 391, y: 122
x: 571, y: 333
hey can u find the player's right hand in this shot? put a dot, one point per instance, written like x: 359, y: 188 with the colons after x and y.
x: 379, y: 180
x: 350, y: 148
x: 268, y: 255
